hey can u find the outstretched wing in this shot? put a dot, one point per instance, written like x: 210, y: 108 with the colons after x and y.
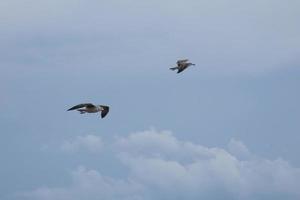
x: 105, y: 110
x: 87, y: 105
x: 180, y: 62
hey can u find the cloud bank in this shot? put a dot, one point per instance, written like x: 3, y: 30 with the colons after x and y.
x: 220, y: 36
x: 160, y: 166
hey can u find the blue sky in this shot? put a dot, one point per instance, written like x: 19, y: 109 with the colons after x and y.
x: 239, y: 105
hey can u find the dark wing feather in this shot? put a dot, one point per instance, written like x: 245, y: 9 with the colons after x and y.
x: 104, y: 111
x: 87, y: 105
x: 181, y: 69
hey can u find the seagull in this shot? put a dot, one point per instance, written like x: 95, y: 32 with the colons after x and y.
x: 182, y: 65
x: 91, y: 108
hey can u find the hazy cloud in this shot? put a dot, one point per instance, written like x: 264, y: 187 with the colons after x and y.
x: 238, y: 149
x: 163, y: 167
x: 91, y: 143
x: 89, y: 184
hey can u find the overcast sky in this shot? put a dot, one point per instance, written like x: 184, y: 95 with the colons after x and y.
x: 227, y: 128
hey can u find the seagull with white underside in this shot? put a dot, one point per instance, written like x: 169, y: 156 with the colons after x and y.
x: 182, y: 65
x: 91, y: 108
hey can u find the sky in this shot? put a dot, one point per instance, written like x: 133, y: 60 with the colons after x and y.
x: 227, y: 128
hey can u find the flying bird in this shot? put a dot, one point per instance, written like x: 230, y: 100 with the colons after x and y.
x: 181, y: 65
x: 91, y: 108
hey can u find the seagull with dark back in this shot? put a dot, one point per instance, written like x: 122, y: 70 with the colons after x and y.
x: 91, y: 108
x: 181, y: 65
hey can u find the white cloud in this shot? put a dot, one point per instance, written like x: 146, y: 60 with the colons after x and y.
x: 89, y: 142
x: 162, y: 167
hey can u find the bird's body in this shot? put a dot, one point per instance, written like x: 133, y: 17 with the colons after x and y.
x: 91, y: 108
x: 182, y: 65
